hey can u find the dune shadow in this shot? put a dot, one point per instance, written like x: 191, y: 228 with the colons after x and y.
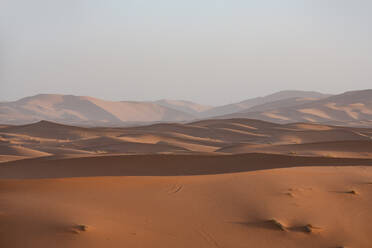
x: 276, y: 225
x: 163, y: 165
x: 348, y: 192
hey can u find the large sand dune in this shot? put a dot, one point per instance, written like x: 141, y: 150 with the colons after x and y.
x: 163, y: 165
x: 86, y: 110
x: 348, y: 109
x: 258, y: 101
x: 310, y: 206
x: 352, y: 108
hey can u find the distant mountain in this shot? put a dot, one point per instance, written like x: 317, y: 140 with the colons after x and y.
x: 288, y: 102
x: 352, y: 108
x: 184, y: 106
x: 82, y: 110
x: 244, y: 105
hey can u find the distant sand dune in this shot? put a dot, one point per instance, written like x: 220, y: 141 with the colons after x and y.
x: 353, y: 108
x: 208, y: 136
x: 343, y: 149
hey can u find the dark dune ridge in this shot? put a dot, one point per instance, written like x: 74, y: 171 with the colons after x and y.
x: 163, y: 165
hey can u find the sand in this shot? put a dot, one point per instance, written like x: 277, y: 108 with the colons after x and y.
x: 312, y: 204
x: 209, y: 136
x: 214, y: 183
x: 353, y: 108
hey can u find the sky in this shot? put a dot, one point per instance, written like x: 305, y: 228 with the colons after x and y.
x: 209, y: 51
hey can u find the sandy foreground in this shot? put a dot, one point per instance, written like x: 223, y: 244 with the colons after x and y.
x: 312, y: 206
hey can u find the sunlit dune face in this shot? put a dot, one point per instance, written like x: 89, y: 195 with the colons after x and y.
x: 315, y: 112
x: 313, y: 127
x: 281, y: 208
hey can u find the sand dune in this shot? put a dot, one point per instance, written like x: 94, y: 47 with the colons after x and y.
x: 45, y: 129
x: 116, y: 145
x: 352, y: 108
x: 7, y: 158
x: 90, y: 111
x: 288, y: 207
x: 20, y: 151
x: 283, y: 103
x: 82, y: 110
x: 207, y: 136
x: 163, y: 165
x: 184, y: 106
x: 348, y: 109
x: 210, y: 183
x: 341, y: 149
x: 258, y: 101
x: 14, y: 152
x: 187, y: 142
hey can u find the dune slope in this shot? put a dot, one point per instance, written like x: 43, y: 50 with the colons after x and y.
x: 208, y: 136
x: 353, y: 108
x: 293, y: 207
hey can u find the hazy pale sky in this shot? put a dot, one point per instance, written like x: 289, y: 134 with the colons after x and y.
x: 209, y: 51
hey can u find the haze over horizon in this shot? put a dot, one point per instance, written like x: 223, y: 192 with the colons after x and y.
x: 175, y: 99
x: 210, y: 52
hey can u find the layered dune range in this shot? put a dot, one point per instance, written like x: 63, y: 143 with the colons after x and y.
x: 213, y: 183
x: 352, y: 108
x: 210, y: 136
x: 84, y: 110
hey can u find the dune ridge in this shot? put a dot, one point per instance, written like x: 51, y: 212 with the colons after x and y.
x: 163, y: 165
x: 351, y: 108
x: 228, y: 136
